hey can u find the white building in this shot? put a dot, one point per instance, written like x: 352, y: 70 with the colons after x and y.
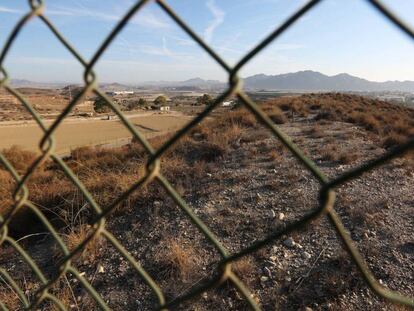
x: 120, y: 93
x: 227, y: 103
x: 390, y: 97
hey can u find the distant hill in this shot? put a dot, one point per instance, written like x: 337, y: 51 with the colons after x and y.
x: 19, y: 83
x: 315, y: 81
x: 298, y: 81
x: 194, y: 83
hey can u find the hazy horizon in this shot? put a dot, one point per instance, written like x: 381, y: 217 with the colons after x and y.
x: 195, y: 77
x: 152, y: 47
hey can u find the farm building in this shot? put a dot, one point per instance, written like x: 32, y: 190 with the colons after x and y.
x: 114, y: 93
x: 164, y: 108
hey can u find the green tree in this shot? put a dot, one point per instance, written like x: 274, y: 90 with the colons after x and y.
x: 137, y: 104
x: 206, y: 99
x: 160, y: 100
x: 142, y: 102
x: 100, y: 105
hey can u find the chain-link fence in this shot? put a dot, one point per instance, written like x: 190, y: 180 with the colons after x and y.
x: 224, y: 273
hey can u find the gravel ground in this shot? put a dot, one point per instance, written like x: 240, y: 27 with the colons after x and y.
x: 255, y: 189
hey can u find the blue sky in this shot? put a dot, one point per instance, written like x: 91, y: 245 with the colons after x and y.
x: 337, y: 36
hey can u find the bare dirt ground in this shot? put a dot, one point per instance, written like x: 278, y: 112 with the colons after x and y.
x: 249, y: 194
x: 76, y: 132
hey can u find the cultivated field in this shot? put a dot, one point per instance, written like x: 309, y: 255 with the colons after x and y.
x: 78, y: 132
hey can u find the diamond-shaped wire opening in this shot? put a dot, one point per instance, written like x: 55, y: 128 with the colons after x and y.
x: 28, y: 279
x: 253, y: 22
x: 11, y: 292
x: 378, y: 225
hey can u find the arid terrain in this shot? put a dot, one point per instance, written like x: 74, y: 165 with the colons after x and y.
x: 243, y: 184
x: 77, y: 132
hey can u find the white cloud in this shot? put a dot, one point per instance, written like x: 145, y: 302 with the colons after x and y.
x: 144, y: 18
x: 42, y: 61
x: 155, y: 50
x: 9, y: 10
x: 218, y: 19
x: 286, y: 46
x: 183, y: 41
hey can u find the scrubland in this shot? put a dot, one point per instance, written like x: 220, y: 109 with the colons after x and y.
x: 243, y: 184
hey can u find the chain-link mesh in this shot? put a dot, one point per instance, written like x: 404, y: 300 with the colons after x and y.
x: 153, y: 172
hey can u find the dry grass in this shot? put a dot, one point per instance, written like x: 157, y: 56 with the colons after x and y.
x: 241, y: 118
x: 316, y: 131
x: 65, y: 294
x: 77, y: 235
x: 176, y: 260
x: 330, y: 153
x: 245, y: 268
x: 391, y: 124
x: 107, y: 173
x: 10, y: 299
x: 274, y: 155
x: 348, y: 157
x: 19, y: 158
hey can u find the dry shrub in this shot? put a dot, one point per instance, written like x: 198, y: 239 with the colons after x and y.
x: 316, y: 131
x: 176, y: 260
x: 393, y: 139
x: 366, y: 120
x: 65, y: 295
x: 227, y: 137
x: 240, y: 117
x: 7, y: 186
x: 347, y: 158
x: 274, y: 155
x: 83, y: 153
x: 79, y: 234
x: 70, y: 296
x: 278, y: 117
x: 10, y: 298
x: 329, y: 153
x: 20, y: 159
x: 274, y: 112
x: 201, y: 132
x: 326, y: 115
x: 107, y: 172
x: 245, y: 268
x: 375, y: 116
x: 193, y: 151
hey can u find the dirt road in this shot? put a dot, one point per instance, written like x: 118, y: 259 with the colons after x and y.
x: 81, y: 132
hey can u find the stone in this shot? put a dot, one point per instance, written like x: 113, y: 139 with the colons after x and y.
x: 306, y: 255
x: 264, y: 278
x: 101, y: 269
x: 289, y: 242
x: 281, y: 216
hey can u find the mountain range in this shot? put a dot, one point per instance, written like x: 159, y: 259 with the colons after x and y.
x: 315, y: 81
x: 298, y: 81
x: 194, y: 82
